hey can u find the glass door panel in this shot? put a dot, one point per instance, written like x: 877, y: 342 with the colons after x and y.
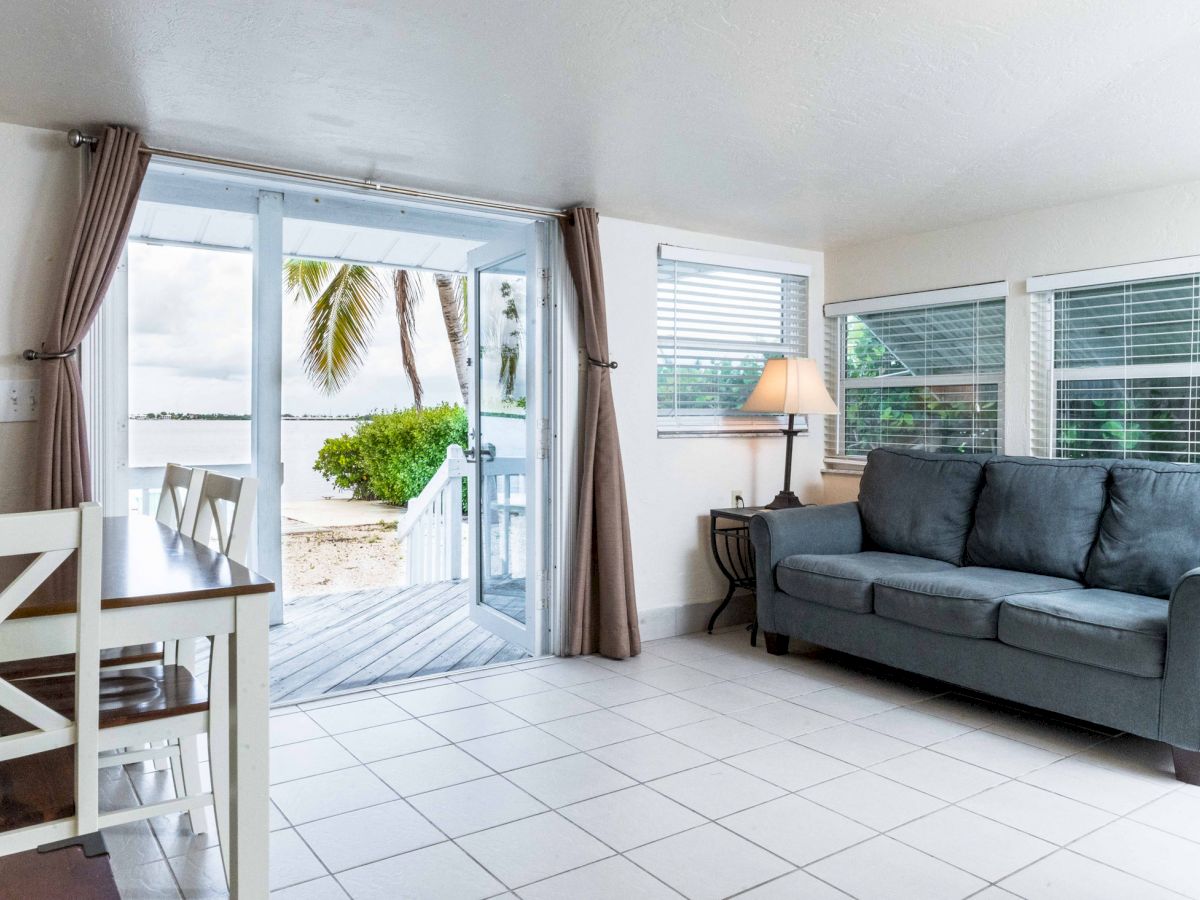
x: 505, y: 522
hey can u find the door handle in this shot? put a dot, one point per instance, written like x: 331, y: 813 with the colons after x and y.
x: 487, y: 453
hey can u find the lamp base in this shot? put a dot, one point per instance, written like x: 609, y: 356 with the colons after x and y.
x: 784, y: 500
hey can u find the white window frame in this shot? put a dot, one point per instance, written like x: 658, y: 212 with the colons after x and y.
x: 1046, y: 377
x: 836, y: 314
x: 727, y: 423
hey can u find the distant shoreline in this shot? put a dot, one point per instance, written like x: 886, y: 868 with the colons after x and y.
x: 233, y: 417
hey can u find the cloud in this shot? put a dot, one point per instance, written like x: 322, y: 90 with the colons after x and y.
x: 190, y: 342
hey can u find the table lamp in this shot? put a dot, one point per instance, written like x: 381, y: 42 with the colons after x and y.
x: 793, y: 386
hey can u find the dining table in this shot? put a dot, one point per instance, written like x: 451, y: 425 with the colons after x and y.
x: 158, y: 585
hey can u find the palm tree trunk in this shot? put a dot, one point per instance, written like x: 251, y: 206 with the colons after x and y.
x: 452, y: 316
x: 407, y: 288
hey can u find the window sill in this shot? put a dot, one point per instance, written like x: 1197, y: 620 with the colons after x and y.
x: 722, y: 432
x: 843, y: 466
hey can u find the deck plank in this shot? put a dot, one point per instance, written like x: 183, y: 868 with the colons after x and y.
x: 334, y: 642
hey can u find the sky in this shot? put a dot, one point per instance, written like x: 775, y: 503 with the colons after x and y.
x: 190, y: 342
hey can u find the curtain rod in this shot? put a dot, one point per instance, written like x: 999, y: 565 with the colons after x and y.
x: 77, y: 138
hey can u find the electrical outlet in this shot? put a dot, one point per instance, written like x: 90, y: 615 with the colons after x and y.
x: 18, y: 400
x: 737, y: 497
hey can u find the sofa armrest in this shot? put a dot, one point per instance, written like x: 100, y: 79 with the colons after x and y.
x: 1180, y: 705
x: 777, y: 533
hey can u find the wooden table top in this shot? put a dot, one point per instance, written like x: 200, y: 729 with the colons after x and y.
x: 143, y: 562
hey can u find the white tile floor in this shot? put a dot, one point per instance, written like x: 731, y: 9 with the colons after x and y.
x: 703, y: 768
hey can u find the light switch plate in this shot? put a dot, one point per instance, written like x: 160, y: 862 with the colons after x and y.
x: 18, y: 400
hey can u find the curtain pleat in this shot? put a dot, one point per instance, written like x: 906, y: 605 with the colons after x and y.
x: 63, y: 475
x: 603, y: 605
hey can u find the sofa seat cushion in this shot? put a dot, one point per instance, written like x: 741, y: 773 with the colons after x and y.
x: 1038, y: 515
x: 965, y: 601
x: 1148, y: 532
x: 1107, y: 629
x: 919, y: 503
x: 844, y: 580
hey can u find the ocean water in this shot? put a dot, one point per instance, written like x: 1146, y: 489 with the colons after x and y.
x: 155, y: 442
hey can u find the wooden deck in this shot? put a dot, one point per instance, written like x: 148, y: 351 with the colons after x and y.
x: 335, y: 642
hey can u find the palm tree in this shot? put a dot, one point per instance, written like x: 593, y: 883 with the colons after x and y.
x: 345, y: 302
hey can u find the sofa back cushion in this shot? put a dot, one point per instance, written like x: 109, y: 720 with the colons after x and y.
x: 1038, y: 515
x: 1150, y: 531
x: 919, y: 503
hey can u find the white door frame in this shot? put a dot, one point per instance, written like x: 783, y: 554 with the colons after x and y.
x: 533, y: 635
x: 556, y: 375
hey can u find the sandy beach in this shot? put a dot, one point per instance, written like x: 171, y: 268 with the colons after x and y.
x: 340, y: 545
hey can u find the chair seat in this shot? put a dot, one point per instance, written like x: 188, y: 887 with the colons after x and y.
x: 57, y: 665
x: 1107, y: 629
x: 964, y: 601
x: 64, y: 873
x: 128, y: 696
x: 844, y: 580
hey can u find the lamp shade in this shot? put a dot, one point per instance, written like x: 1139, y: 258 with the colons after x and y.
x: 791, y: 385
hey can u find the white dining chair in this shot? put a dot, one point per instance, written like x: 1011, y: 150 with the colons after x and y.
x: 49, y: 791
x: 223, y: 518
x: 179, y: 497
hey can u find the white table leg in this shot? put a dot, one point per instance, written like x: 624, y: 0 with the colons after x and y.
x: 248, y: 740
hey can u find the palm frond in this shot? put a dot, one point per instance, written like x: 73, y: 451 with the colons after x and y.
x: 407, y: 288
x: 304, y: 279
x: 340, y: 324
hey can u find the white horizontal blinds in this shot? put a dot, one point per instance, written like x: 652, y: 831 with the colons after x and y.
x: 1126, y: 370
x: 717, y: 325
x: 834, y: 345
x: 928, y: 377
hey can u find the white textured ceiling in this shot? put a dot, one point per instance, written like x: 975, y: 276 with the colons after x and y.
x: 808, y: 122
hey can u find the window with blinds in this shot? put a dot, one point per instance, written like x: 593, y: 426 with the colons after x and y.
x: 718, y: 323
x: 929, y: 377
x: 1123, y: 364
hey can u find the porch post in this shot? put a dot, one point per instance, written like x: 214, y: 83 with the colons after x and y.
x: 266, y: 391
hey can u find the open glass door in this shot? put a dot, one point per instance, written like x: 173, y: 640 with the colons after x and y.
x: 507, y: 287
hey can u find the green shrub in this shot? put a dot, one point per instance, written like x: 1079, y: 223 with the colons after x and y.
x: 391, y: 456
x: 340, y: 461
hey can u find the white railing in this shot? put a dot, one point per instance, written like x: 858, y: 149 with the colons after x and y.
x: 431, y: 531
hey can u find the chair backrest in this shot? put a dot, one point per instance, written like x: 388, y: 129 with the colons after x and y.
x: 180, y: 497
x: 226, y: 509
x: 35, y: 764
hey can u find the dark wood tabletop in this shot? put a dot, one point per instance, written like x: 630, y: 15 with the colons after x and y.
x: 143, y: 562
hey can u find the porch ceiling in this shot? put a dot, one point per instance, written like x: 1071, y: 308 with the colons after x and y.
x: 166, y: 223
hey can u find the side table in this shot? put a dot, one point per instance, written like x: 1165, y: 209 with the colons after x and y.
x: 729, y: 533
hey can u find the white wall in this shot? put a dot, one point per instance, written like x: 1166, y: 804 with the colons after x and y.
x: 673, y: 482
x: 1127, y: 228
x: 39, y: 190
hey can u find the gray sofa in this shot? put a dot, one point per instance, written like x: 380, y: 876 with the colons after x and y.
x: 1069, y: 585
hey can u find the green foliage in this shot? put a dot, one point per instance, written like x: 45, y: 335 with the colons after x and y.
x: 340, y: 461
x: 392, y: 456
x: 1143, y: 418
x: 345, y: 303
x: 947, y: 418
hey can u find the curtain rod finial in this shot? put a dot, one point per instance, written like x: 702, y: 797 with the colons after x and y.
x: 77, y: 138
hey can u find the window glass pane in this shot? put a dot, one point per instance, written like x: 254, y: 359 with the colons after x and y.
x: 1144, y: 418
x: 935, y: 340
x: 945, y: 418
x: 716, y: 328
x: 1147, y: 322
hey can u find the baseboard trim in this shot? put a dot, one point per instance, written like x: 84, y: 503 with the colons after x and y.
x: 672, y: 621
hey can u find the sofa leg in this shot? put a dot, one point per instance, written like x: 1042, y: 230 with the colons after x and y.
x: 777, y: 644
x: 1187, y: 765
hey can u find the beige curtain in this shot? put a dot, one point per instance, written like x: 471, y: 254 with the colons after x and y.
x: 603, y: 608
x: 63, y: 476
